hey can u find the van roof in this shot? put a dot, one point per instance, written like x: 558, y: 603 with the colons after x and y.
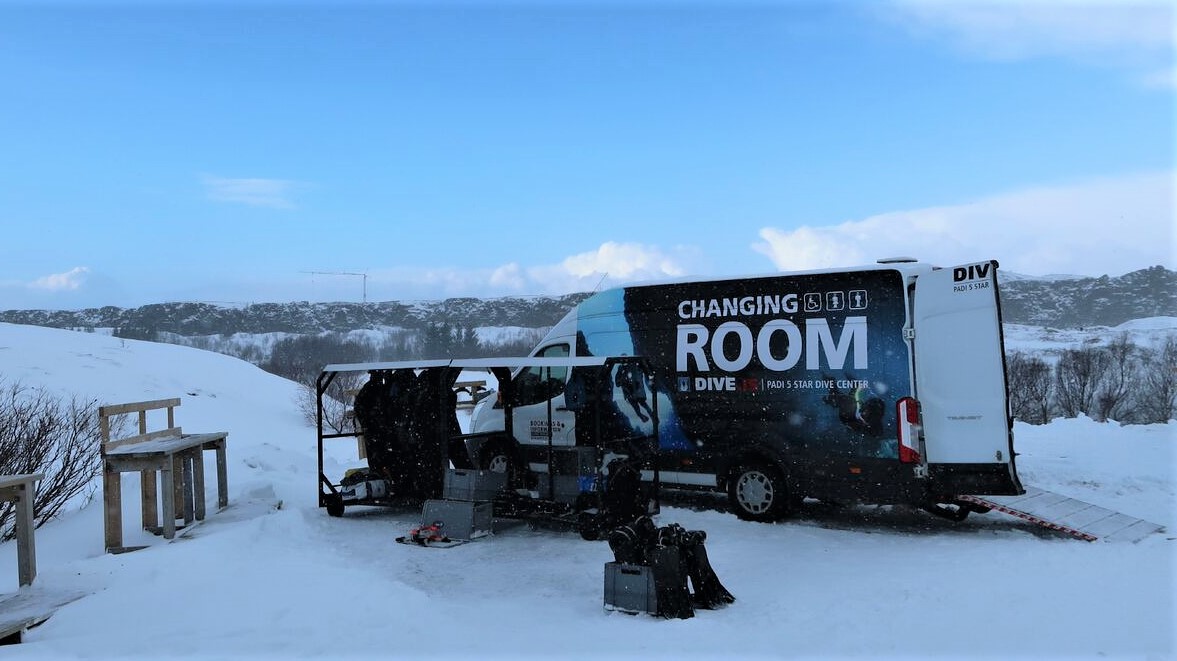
x: 907, y: 266
x: 476, y: 363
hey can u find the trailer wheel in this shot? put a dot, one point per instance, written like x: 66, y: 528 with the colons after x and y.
x: 335, y: 506
x: 589, y: 526
x: 757, y: 492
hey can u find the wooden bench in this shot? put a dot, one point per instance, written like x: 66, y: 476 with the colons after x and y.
x: 176, y: 457
x: 22, y: 490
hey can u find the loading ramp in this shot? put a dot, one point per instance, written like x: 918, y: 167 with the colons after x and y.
x: 1069, y: 515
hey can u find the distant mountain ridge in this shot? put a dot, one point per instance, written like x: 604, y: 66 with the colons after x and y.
x: 1077, y: 302
x: 1060, y: 302
x: 194, y: 319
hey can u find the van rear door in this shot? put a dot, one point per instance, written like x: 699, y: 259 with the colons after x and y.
x: 960, y: 381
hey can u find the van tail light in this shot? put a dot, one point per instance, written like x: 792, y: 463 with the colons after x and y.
x: 908, y: 410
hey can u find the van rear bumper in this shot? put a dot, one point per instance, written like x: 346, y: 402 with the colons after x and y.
x: 997, y: 479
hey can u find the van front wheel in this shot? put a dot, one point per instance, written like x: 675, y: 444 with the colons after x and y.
x: 757, y: 492
x: 495, y: 458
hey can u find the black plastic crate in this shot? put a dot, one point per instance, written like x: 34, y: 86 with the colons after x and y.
x: 630, y: 588
x: 476, y: 485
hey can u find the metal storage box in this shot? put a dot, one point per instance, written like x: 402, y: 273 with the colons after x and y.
x: 574, y: 471
x: 458, y: 519
x: 462, y: 484
x: 566, y: 488
x: 575, y: 461
x: 630, y: 588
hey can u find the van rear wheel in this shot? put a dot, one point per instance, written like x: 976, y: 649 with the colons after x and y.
x: 757, y: 492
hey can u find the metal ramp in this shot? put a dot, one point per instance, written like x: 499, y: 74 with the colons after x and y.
x: 1069, y: 515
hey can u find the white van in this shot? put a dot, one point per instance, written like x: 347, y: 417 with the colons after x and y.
x: 878, y: 384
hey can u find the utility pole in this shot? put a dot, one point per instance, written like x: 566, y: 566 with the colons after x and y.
x: 360, y: 275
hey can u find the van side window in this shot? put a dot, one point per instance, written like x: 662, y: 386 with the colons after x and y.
x: 536, y: 384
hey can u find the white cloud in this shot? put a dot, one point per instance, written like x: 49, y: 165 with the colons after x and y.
x: 271, y: 193
x: 1132, y: 34
x: 1105, y: 226
x: 610, y: 264
x: 625, y: 261
x: 509, y: 276
x: 809, y: 248
x: 71, y: 280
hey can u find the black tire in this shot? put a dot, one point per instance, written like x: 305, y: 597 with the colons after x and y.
x: 334, y: 506
x: 458, y: 456
x: 495, y: 457
x: 756, y: 491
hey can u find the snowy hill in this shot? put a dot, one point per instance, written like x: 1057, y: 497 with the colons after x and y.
x: 260, y: 582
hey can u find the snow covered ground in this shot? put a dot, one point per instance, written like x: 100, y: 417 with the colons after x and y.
x: 255, y: 581
x: 1048, y: 343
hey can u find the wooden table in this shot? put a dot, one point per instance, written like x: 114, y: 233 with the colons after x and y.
x: 162, y: 456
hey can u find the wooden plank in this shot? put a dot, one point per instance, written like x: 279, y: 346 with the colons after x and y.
x: 168, y: 489
x: 158, y: 447
x: 26, y: 547
x: 170, y: 432
x: 7, y: 481
x: 206, y: 439
x: 148, y: 498
x: 198, y: 483
x: 22, y: 490
x: 187, y: 486
x: 30, y: 607
x: 112, y: 502
x: 128, y: 463
x: 222, y: 476
x: 125, y: 549
x: 135, y: 407
x: 12, y: 629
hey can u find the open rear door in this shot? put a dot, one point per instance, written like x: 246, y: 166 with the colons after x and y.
x: 960, y: 381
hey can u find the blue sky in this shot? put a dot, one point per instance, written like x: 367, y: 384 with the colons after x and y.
x: 219, y: 151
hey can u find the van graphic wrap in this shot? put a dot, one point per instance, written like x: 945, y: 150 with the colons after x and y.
x: 824, y: 353
x: 603, y: 330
